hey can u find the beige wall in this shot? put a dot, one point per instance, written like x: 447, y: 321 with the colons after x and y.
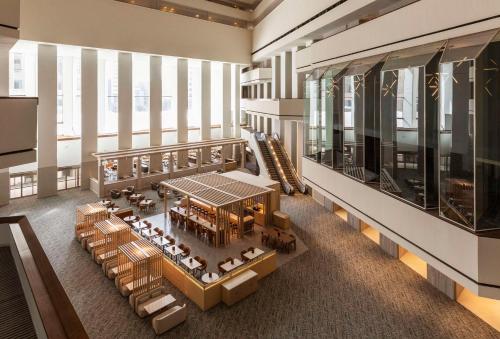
x: 120, y: 26
x: 9, y: 13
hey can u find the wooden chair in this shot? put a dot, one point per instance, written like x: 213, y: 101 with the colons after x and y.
x: 186, y: 253
x: 222, y: 271
x: 243, y: 258
x: 203, y: 267
x: 264, y: 238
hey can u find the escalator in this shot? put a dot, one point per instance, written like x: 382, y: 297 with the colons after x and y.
x: 286, y: 165
x: 271, y: 162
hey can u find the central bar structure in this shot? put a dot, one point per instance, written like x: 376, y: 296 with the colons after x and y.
x: 230, y: 203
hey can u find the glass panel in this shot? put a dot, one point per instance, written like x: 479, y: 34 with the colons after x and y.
x: 466, y: 47
x: 402, y: 100
x: 353, y: 126
x: 409, y: 123
x: 312, y: 119
x: 488, y: 138
x: 331, y: 115
x: 456, y: 138
x: 412, y: 57
x: 362, y: 119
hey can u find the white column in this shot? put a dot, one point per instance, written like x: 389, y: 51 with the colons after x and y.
x: 226, y: 100
x: 47, y: 120
x: 276, y: 77
x: 155, y: 105
x: 182, y: 109
x: 297, y: 78
x: 155, y: 100
x: 4, y: 91
x: 206, y: 107
x: 124, y: 111
x: 89, y: 116
x: 259, y: 93
x: 237, y: 108
x: 286, y: 75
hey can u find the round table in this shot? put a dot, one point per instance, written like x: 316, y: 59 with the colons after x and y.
x: 130, y: 218
x: 206, y: 279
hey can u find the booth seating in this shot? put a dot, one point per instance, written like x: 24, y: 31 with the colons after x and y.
x: 86, y: 216
x: 281, y: 220
x: 169, y: 319
x: 124, y: 212
x: 240, y: 287
x: 151, y: 302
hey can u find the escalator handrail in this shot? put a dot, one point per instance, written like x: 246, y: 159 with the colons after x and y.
x: 257, y: 136
x: 287, y: 187
x: 302, y: 188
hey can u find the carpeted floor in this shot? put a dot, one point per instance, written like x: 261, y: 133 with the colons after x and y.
x: 344, y: 286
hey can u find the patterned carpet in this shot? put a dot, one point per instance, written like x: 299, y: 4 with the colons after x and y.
x: 343, y: 287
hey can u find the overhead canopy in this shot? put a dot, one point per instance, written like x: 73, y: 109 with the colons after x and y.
x: 362, y: 66
x: 412, y: 57
x: 467, y: 47
x: 140, y: 250
x: 93, y: 208
x: 214, y: 189
x: 112, y: 225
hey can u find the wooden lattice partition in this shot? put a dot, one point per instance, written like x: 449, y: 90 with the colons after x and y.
x: 87, y: 215
x: 109, y: 235
x: 143, y: 263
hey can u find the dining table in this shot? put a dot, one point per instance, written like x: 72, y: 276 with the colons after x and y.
x: 191, y: 263
x: 252, y: 254
x: 210, y: 277
x: 229, y: 266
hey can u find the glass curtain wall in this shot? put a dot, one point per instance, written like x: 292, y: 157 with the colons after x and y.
x: 312, y: 115
x: 68, y: 91
x: 169, y: 93
x: 409, y: 95
x: 468, y: 131
x: 140, y: 85
x: 194, y: 99
x: 107, y: 86
x: 332, y: 116
x: 362, y: 119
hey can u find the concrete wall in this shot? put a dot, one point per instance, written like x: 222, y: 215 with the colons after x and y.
x: 113, y: 25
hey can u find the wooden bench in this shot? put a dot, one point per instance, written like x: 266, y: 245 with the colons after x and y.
x: 240, y: 287
x: 169, y: 319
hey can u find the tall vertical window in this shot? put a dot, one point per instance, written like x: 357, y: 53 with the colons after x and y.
x: 140, y: 81
x: 107, y: 92
x: 169, y: 92
x: 23, y: 70
x: 68, y: 90
x: 194, y: 93
x: 216, y: 84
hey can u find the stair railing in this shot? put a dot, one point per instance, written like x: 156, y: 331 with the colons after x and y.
x: 300, y: 185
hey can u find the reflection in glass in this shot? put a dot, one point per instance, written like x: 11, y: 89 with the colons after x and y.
x: 312, y: 118
x: 362, y: 119
x: 332, y: 116
x: 469, y: 181
x: 409, y: 94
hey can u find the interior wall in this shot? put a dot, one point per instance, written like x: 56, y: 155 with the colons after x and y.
x: 114, y: 25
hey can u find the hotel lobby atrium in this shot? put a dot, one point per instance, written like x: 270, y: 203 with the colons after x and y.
x: 249, y: 169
